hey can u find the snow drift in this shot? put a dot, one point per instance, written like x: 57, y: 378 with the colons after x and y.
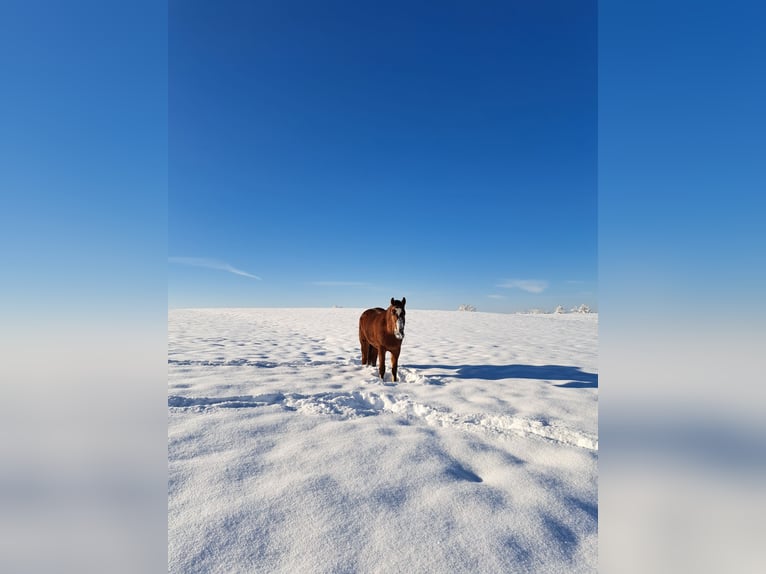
x: 286, y: 455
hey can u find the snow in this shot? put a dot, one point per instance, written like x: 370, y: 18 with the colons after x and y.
x: 286, y: 455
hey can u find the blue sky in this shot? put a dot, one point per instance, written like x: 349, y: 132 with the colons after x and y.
x: 83, y: 160
x: 340, y: 153
x: 682, y: 87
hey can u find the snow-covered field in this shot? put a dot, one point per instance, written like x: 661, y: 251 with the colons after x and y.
x: 286, y: 455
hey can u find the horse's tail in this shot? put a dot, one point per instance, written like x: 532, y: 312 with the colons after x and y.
x: 363, y: 342
x: 369, y: 352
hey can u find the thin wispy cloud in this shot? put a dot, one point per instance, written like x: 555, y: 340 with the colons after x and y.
x: 528, y: 285
x: 211, y: 264
x: 496, y: 296
x: 340, y: 283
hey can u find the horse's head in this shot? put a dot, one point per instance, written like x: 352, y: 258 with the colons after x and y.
x: 396, y: 317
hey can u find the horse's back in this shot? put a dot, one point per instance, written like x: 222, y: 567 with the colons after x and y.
x: 371, y: 314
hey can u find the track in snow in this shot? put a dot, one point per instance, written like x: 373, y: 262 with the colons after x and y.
x: 356, y: 404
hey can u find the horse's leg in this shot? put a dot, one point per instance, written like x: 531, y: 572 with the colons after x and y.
x: 382, y: 361
x: 372, y: 354
x: 394, y: 363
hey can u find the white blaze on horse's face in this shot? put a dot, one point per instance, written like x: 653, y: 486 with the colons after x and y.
x: 399, y: 325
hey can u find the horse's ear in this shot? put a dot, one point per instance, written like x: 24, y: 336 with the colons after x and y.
x: 392, y: 300
x: 404, y: 301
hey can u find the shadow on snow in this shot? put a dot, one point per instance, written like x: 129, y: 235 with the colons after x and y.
x: 577, y: 378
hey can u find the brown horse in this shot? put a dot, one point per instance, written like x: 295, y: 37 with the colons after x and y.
x: 382, y: 330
